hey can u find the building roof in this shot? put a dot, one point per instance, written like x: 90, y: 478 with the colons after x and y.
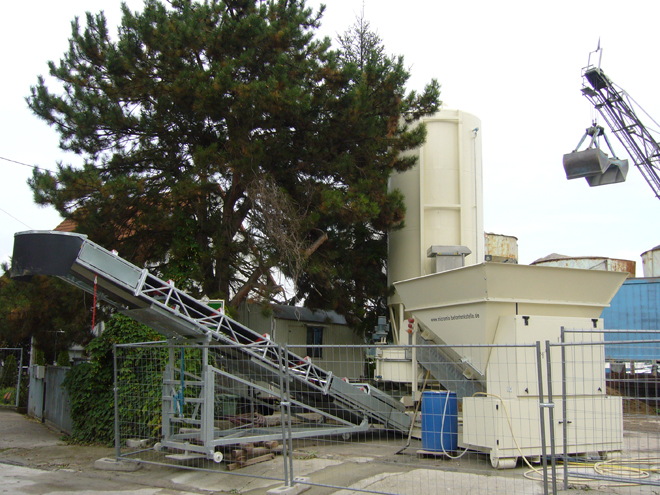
x: 66, y: 226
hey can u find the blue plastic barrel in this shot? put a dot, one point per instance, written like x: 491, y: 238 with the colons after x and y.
x: 440, y: 421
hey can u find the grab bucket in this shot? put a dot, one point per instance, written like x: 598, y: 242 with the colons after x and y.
x: 595, y: 166
x: 440, y: 421
x: 585, y: 163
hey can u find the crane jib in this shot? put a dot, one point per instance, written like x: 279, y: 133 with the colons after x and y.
x: 613, y: 105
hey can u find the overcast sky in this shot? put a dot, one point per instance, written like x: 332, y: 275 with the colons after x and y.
x: 514, y: 64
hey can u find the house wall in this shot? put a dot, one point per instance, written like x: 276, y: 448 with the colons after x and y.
x: 252, y: 317
x: 341, y: 361
x: 346, y: 361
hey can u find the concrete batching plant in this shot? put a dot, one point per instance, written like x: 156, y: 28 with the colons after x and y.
x: 468, y: 307
x: 474, y: 324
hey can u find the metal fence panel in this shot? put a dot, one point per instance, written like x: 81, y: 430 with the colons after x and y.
x: 192, y: 405
x: 203, y: 407
x: 457, y: 442
x: 623, y: 413
x: 36, y: 391
x: 215, y: 408
x: 56, y: 408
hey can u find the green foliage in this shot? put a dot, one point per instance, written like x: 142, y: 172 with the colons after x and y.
x: 90, y: 385
x: 9, y: 372
x: 39, y: 358
x: 25, y: 384
x: 378, y: 124
x: 195, y: 102
x: 63, y: 359
x: 92, y: 403
x: 55, y: 313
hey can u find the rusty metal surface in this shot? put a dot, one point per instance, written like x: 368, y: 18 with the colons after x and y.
x: 590, y: 263
x: 501, y: 248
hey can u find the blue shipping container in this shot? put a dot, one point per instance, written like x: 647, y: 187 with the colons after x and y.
x: 636, y: 306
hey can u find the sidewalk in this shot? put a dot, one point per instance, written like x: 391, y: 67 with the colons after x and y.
x: 34, y: 459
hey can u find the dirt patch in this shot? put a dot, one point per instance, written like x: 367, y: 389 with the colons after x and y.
x: 633, y: 406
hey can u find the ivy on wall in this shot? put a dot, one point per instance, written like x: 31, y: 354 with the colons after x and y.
x: 90, y: 384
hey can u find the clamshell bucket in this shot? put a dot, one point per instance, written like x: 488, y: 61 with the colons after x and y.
x: 595, y: 166
x: 616, y: 172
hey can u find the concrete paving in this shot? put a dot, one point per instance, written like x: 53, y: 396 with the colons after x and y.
x: 36, y: 460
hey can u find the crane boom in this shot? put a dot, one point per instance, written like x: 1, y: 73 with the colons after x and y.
x: 623, y: 121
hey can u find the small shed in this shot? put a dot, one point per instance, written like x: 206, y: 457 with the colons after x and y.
x: 322, y: 336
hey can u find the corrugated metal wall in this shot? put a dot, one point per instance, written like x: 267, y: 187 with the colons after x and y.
x: 636, y: 306
x: 52, y: 404
x: 57, y: 409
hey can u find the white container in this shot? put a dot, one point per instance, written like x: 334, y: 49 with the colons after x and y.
x: 443, y: 195
x: 651, y: 262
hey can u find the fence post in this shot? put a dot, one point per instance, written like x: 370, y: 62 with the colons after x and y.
x: 20, y: 374
x: 544, y: 459
x: 289, y: 445
x: 208, y: 406
x: 551, y: 418
x: 116, y: 393
x: 564, y: 408
x: 282, y: 365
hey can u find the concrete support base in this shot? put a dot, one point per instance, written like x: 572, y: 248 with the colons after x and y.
x: 292, y: 490
x: 107, y: 464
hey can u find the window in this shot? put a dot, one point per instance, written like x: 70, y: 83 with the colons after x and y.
x: 314, y: 338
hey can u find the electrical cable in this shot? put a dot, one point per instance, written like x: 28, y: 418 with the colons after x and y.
x: 627, y: 95
x: 12, y: 216
x: 508, y: 418
x: 603, y: 468
x: 412, y: 424
x: 24, y: 164
x: 442, y: 429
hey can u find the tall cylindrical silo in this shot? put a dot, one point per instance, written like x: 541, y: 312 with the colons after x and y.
x: 651, y: 262
x: 443, y: 195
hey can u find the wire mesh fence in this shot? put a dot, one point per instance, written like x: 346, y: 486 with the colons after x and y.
x: 470, y: 419
x: 11, y: 366
x: 620, y: 405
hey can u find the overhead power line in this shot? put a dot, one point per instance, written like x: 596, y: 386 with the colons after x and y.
x: 7, y: 213
x: 24, y: 164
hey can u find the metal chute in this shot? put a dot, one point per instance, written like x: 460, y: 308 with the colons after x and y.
x: 596, y: 166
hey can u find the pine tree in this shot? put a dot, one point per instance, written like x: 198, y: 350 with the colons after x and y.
x: 352, y: 270
x: 195, y: 112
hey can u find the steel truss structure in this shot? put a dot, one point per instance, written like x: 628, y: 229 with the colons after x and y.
x: 612, y: 104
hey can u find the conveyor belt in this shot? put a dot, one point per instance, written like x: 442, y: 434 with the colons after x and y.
x: 175, y: 314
